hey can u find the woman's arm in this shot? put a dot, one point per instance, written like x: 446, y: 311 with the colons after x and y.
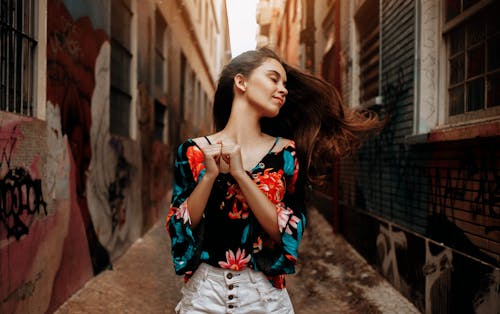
x: 198, y: 199
x: 263, y: 209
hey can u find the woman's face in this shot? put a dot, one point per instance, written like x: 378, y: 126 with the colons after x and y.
x: 265, y: 88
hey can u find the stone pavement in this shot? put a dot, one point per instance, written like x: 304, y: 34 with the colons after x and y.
x: 331, y: 278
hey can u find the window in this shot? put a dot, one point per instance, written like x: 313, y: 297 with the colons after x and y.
x: 368, y: 25
x: 17, y: 56
x: 473, y: 47
x: 121, y: 59
x: 161, y: 56
x: 161, y: 127
x: 183, y: 87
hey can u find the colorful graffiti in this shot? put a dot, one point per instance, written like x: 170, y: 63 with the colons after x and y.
x: 116, y: 189
x: 72, y: 49
x: 447, y: 193
x: 21, y: 197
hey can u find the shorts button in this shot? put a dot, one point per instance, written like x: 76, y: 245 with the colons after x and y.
x: 231, y: 297
x: 229, y: 276
x: 231, y: 306
x: 231, y: 287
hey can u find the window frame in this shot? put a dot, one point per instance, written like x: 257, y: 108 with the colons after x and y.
x: 362, y: 36
x: 130, y: 131
x: 462, y: 19
x: 36, y: 36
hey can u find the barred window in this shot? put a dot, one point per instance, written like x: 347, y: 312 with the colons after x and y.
x: 473, y: 41
x: 161, y: 56
x: 17, y: 56
x: 121, y: 59
x: 368, y: 25
x: 161, y: 127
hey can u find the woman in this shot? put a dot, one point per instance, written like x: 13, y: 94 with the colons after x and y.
x: 238, y: 208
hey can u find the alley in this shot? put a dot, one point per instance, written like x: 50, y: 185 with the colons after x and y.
x: 331, y: 278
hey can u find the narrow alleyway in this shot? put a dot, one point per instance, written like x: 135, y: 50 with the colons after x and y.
x: 331, y: 278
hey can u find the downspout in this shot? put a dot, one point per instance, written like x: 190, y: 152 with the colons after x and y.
x: 337, y: 85
x: 416, y: 69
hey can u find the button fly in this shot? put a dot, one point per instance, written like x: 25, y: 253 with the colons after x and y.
x: 229, y: 276
x: 231, y: 297
x: 231, y: 287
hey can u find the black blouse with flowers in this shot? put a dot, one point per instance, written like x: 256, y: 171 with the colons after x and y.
x: 229, y: 235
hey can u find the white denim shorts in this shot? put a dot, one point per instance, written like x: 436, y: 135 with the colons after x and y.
x: 216, y: 290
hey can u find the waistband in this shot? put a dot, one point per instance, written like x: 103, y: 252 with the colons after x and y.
x: 229, y: 275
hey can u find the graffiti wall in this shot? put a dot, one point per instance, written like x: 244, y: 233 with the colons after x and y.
x: 424, y: 209
x: 71, y: 192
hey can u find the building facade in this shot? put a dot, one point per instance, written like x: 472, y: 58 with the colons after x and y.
x: 95, y: 96
x: 420, y: 200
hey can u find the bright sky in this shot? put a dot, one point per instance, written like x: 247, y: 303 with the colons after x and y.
x: 242, y: 25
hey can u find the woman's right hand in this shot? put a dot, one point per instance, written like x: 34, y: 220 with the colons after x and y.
x: 212, y: 154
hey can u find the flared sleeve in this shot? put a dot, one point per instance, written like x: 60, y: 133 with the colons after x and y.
x: 281, y: 258
x: 186, y: 241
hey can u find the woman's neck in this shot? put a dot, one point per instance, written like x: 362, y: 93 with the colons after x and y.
x: 243, y: 126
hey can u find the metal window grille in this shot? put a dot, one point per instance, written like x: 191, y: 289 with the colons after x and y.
x: 474, y: 65
x: 160, y: 53
x: 17, y: 53
x: 367, y: 21
x: 121, y: 59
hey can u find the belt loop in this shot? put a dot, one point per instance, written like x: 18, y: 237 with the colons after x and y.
x: 205, y: 270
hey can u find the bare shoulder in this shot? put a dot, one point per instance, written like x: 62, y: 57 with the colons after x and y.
x: 202, y: 140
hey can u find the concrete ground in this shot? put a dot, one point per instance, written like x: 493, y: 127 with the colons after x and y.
x: 331, y: 278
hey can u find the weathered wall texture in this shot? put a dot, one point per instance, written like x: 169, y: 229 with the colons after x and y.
x: 424, y: 212
x: 73, y: 196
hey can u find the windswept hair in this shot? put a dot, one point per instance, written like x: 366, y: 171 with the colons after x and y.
x: 313, y: 115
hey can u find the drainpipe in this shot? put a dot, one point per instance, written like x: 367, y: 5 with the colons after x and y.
x: 337, y: 85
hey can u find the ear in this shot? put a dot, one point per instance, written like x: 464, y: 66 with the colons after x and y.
x: 240, y: 82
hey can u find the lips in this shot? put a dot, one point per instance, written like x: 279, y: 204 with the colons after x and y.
x: 280, y: 100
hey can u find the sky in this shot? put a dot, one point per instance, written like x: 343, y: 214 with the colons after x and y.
x: 242, y: 25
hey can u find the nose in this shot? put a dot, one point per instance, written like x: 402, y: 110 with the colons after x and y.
x: 283, y: 91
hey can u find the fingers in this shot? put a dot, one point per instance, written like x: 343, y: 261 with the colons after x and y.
x: 213, y: 150
x: 212, y: 157
x: 230, y: 151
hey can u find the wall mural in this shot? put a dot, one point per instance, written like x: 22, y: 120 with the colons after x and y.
x: 72, y: 49
x: 70, y: 192
x: 113, y: 182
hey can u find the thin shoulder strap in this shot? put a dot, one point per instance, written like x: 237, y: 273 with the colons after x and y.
x: 274, y: 145
x: 210, y: 143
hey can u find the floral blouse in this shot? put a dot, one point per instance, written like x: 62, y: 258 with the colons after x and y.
x: 229, y: 235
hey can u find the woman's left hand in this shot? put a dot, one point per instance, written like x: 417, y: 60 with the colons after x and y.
x: 231, y: 154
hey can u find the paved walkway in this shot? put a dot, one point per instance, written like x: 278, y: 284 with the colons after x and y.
x: 331, y: 278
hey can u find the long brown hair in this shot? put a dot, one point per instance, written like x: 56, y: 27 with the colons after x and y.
x: 313, y: 115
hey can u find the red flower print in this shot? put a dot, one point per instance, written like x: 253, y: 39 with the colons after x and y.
x: 271, y: 184
x: 183, y: 213
x: 291, y: 258
x: 237, y: 262
x: 283, y: 216
x: 239, y: 209
x: 257, y: 246
x: 169, y: 216
x: 292, y: 223
x: 195, y: 158
x: 284, y: 219
x: 278, y: 281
